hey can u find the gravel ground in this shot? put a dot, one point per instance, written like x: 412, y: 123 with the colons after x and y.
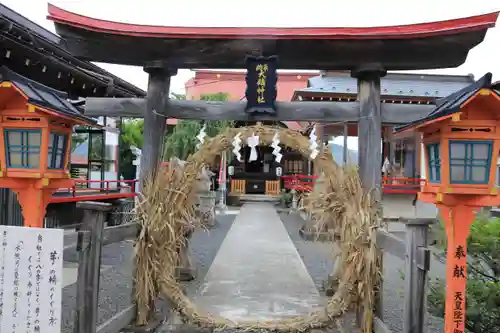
x: 317, y: 258
x: 204, y: 246
x: 114, y: 289
x: 116, y: 276
x: 116, y: 281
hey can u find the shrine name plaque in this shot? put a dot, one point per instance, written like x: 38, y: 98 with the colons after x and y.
x: 31, y: 274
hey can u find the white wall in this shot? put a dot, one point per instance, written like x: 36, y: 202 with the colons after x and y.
x: 423, y: 166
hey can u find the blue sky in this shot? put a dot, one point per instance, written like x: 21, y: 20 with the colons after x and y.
x: 279, y: 13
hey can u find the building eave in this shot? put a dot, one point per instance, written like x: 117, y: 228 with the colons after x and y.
x: 50, y: 62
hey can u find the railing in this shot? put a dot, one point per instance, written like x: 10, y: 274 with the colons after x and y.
x: 273, y: 187
x: 238, y: 186
x: 88, y: 190
x: 396, y: 185
x: 401, y: 185
x: 298, y: 182
x: 85, y: 245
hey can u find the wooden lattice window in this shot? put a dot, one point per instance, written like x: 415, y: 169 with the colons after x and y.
x: 294, y: 166
x: 57, y: 149
x: 434, y: 160
x: 470, y: 161
x: 22, y: 148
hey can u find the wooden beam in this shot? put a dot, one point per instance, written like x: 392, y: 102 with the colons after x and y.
x: 416, y: 275
x: 345, y: 150
x: 391, y: 244
x: 118, y: 321
x: 89, y: 266
x: 212, y: 110
x: 379, y: 326
x: 110, y: 235
x: 370, y: 129
x: 154, y: 124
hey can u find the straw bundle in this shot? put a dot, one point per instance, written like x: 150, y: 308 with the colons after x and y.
x: 166, y: 210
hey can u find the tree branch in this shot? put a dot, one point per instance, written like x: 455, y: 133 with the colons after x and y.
x: 480, y: 272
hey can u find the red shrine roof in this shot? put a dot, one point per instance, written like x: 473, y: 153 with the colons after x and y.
x: 419, y: 30
x: 404, y: 47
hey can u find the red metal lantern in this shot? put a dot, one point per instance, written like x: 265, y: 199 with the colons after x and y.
x: 35, y: 136
x: 462, y: 140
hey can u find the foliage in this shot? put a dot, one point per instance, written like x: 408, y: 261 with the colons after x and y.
x: 180, y: 97
x: 286, y: 198
x: 133, y: 132
x: 182, y: 142
x: 76, y: 140
x: 483, y: 284
x: 132, y: 135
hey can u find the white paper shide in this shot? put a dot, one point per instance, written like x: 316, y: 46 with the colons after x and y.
x: 31, y: 266
x: 253, y: 142
x: 313, y: 144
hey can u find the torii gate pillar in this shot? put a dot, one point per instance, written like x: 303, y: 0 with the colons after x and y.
x: 370, y: 127
x: 154, y: 124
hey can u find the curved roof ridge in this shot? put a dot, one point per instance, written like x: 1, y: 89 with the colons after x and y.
x: 437, y: 28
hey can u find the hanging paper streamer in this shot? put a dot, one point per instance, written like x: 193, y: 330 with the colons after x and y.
x: 253, y: 142
x: 201, y: 137
x: 275, y: 144
x: 313, y: 144
x: 237, y: 146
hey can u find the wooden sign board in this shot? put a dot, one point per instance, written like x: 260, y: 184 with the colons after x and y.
x: 31, y: 274
x: 261, y: 79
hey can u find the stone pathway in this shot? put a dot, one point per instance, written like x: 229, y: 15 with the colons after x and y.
x: 257, y: 273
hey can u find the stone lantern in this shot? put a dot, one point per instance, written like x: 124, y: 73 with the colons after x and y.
x: 35, y: 136
x: 461, y: 138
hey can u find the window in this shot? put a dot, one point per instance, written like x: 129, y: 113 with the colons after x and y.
x: 470, y: 162
x: 294, y: 166
x: 23, y: 148
x: 57, y: 149
x: 434, y: 162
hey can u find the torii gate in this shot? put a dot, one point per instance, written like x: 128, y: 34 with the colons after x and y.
x: 366, y: 52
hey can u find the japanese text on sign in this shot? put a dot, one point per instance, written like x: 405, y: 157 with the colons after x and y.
x: 457, y: 298
x: 458, y: 314
x: 261, y: 79
x: 261, y: 82
x: 30, y: 279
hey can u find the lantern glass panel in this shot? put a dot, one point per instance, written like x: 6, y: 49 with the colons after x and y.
x: 22, y: 148
x: 434, y: 161
x: 57, y: 150
x: 470, y: 161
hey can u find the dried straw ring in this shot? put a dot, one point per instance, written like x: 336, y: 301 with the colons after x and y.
x: 164, y: 220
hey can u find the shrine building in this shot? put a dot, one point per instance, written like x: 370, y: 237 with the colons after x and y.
x: 397, y: 88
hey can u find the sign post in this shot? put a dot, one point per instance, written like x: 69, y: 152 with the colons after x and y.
x: 261, y: 80
x: 461, y: 143
x: 31, y: 274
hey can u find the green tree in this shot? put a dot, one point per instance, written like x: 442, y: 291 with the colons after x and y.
x: 76, y: 140
x: 182, y: 141
x: 483, y: 283
x: 180, y: 97
x: 132, y: 134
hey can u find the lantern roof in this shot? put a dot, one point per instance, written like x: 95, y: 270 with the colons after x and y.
x: 44, y: 97
x: 447, y: 106
x: 33, y: 51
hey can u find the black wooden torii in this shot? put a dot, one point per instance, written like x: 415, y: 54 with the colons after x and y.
x: 367, y: 52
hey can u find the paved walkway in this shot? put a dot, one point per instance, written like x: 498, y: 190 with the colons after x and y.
x: 257, y: 273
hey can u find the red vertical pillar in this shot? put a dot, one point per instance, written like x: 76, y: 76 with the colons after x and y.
x: 458, y: 220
